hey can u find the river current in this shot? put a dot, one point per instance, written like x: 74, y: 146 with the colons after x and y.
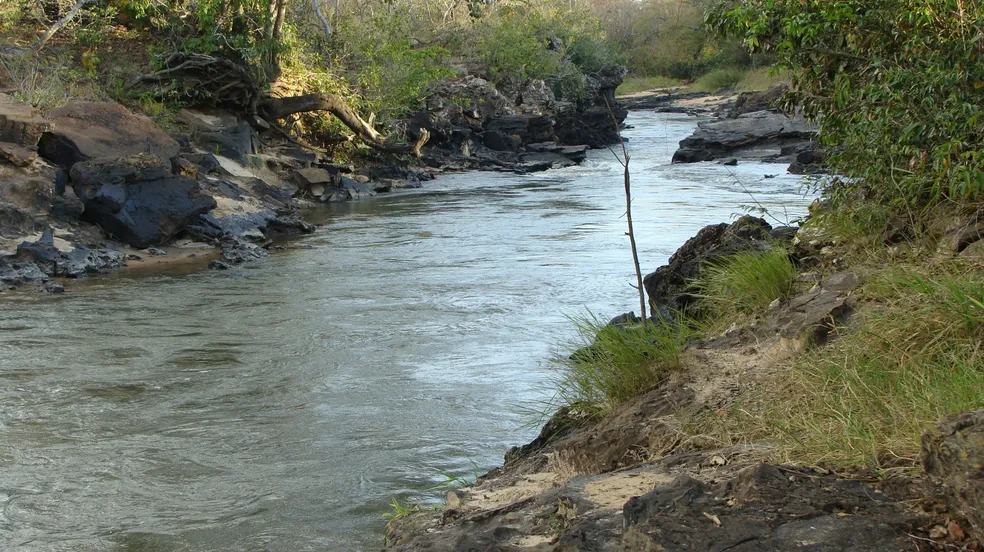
x: 282, y: 405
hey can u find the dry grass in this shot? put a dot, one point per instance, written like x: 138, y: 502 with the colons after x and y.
x: 865, y: 399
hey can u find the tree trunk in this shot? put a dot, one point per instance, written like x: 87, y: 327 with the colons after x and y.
x: 278, y: 108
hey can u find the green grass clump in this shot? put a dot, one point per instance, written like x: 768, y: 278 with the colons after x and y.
x: 642, y: 84
x: 743, y: 285
x: 618, y: 363
x: 866, y: 399
x: 717, y: 79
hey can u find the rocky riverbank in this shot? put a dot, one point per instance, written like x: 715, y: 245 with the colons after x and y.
x: 93, y: 186
x: 645, y: 478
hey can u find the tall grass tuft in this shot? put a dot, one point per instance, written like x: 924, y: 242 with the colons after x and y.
x: 618, y: 363
x: 744, y: 284
x: 865, y: 399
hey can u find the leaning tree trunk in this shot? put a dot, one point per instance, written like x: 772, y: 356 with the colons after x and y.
x: 277, y: 108
x: 221, y: 81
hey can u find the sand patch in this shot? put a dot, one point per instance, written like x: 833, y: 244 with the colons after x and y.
x: 612, y: 492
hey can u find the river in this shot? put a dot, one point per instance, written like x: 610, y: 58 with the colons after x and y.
x: 282, y: 405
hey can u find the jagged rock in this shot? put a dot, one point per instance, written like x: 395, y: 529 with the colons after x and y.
x: 136, y: 199
x: 843, y: 281
x: 749, y: 102
x: 220, y: 131
x: 20, y: 123
x: 690, y: 155
x: 529, y: 128
x: 576, y: 154
x: 16, y: 272
x: 218, y: 265
x: 470, y: 102
x: 51, y: 287
x: 237, y: 251
x: 31, y: 188
x: 535, y: 97
x: 347, y: 190
x: 309, y: 177
x: 669, y: 286
x: 536, y: 162
x: 16, y: 222
x: 17, y: 155
x: 755, y: 134
x: 77, y: 263
x: 812, y: 316
x: 91, y: 130
x: 500, y: 141
x: 247, y: 208
x: 764, y: 508
x: 953, y: 454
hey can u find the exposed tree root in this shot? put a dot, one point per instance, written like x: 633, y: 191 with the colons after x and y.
x: 226, y: 83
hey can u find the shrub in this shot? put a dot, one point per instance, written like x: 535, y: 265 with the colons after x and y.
x: 897, y: 84
x: 618, y: 363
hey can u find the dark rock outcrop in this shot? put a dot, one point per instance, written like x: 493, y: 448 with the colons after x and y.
x: 953, y: 454
x: 77, y: 263
x: 765, y: 508
x: 759, y: 135
x: 136, y: 198
x: 91, y: 130
x: 749, y: 102
x: 219, y: 131
x: 669, y: 287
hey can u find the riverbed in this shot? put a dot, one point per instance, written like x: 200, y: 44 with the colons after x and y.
x: 282, y: 405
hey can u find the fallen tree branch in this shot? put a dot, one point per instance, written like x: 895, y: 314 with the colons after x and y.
x: 271, y: 108
x: 58, y: 25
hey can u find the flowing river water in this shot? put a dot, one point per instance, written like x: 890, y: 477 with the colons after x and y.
x: 282, y: 405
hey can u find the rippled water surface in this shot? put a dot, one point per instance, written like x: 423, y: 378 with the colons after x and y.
x: 282, y: 405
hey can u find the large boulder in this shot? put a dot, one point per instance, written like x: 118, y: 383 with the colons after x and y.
x: 32, y: 188
x: 20, y: 123
x: 761, y: 134
x: 92, y: 130
x: 136, y: 198
x: 219, y: 131
x: 762, y: 100
x: 953, y: 454
x: 670, y: 287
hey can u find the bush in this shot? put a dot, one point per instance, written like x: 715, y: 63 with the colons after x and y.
x: 618, y: 363
x: 897, y: 84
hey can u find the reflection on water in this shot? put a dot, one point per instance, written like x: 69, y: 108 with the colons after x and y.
x: 281, y: 405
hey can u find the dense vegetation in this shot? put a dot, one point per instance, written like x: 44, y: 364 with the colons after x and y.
x: 897, y: 84
x: 381, y: 55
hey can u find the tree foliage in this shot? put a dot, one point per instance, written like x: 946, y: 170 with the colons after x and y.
x: 898, y: 86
